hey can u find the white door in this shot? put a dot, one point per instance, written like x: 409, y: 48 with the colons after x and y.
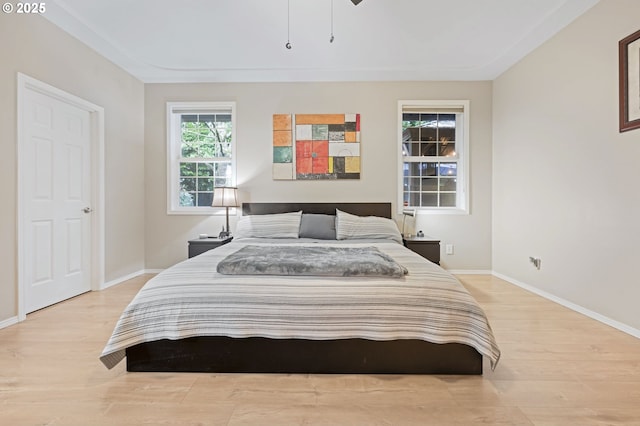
x: 56, y: 174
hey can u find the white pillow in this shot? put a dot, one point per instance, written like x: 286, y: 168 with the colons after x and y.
x: 281, y: 225
x: 350, y: 227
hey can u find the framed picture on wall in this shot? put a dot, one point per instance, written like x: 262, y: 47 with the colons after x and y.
x: 629, y: 62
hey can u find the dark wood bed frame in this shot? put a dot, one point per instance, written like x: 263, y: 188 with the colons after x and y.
x: 345, y: 356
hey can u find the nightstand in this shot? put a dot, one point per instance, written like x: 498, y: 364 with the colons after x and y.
x: 427, y: 247
x: 200, y: 245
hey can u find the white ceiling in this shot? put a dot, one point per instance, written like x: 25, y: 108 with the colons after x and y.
x: 244, y: 40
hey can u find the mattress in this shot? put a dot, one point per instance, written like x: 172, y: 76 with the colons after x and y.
x: 192, y: 299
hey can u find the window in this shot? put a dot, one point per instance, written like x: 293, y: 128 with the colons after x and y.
x: 433, y: 139
x: 200, y: 154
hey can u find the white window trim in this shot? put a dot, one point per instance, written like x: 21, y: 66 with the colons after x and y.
x: 173, y: 154
x: 463, y: 171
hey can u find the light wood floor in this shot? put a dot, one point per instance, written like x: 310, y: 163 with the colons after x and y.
x: 558, y: 368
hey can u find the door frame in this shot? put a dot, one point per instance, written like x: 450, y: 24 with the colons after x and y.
x: 97, y: 248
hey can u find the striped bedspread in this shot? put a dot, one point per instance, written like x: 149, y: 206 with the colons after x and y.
x: 192, y: 299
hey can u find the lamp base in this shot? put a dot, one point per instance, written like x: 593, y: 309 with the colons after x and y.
x: 224, y: 234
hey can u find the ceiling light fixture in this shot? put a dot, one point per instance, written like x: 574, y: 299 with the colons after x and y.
x: 356, y: 2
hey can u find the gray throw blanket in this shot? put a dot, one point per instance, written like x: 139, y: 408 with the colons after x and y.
x: 314, y: 261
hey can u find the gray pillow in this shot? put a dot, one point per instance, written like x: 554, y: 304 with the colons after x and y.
x: 318, y: 226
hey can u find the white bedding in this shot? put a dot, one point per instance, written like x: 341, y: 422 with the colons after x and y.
x: 192, y: 299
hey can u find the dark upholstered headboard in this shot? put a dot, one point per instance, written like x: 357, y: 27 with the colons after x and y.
x: 359, y: 209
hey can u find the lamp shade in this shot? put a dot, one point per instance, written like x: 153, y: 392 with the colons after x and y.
x: 225, y: 196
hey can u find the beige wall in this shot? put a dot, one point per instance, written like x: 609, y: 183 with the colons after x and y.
x: 565, y: 182
x: 33, y: 46
x: 167, y: 235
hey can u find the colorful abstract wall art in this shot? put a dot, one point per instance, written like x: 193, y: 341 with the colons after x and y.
x: 316, y: 146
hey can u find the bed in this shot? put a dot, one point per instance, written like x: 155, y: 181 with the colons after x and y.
x: 198, y: 316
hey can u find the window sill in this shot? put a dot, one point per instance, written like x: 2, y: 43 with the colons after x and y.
x: 437, y: 211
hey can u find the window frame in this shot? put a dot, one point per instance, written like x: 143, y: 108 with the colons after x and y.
x: 462, y: 152
x: 174, y: 140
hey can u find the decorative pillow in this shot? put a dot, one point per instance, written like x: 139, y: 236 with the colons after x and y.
x: 319, y: 226
x: 350, y: 227
x: 281, y: 225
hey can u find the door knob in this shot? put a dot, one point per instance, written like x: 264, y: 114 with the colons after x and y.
x: 87, y: 210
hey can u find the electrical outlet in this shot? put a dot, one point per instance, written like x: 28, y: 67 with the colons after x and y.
x: 448, y: 248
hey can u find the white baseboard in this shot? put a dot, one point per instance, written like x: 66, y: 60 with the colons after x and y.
x: 8, y: 322
x: 469, y: 271
x: 567, y: 304
x: 14, y: 320
x: 128, y: 277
